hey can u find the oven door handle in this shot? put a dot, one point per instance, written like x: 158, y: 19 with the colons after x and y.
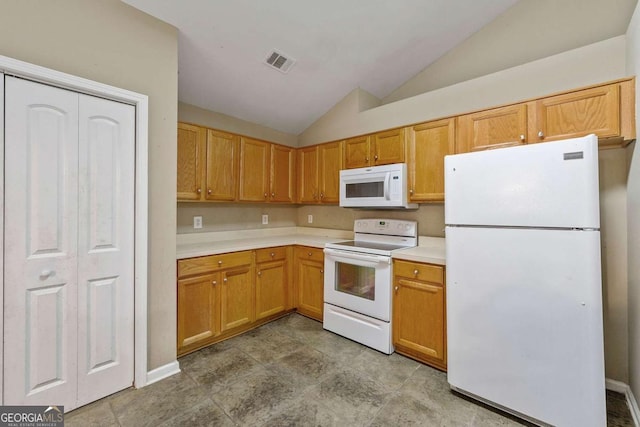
x: 358, y: 257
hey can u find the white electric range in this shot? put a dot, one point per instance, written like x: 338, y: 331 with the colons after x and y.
x: 358, y: 280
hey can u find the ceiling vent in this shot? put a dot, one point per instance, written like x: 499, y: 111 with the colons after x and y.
x: 279, y: 61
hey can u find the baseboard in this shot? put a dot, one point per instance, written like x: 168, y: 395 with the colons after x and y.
x: 632, y: 403
x: 163, y: 372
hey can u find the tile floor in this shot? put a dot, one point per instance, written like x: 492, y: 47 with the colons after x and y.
x: 293, y: 373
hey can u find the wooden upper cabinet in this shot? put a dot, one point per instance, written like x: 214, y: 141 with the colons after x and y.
x: 330, y: 163
x: 191, y: 161
x: 307, y: 175
x: 254, y: 170
x: 428, y: 143
x: 222, y: 166
x: 357, y: 152
x: 388, y: 147
x: 575, y: 114
x: 283, y: 166
x: 495, y: 128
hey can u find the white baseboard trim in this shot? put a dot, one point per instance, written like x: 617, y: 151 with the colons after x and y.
x: 163, y: 372
x: 632, y: 403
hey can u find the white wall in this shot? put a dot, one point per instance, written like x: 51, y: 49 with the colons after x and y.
x: 633, y: 217
x: 596, y: 63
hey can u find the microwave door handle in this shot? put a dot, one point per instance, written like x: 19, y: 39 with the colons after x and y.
x: 387, y: 182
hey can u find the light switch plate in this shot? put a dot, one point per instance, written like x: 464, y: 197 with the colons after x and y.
x: 197, y: 222
x: 265, y: 219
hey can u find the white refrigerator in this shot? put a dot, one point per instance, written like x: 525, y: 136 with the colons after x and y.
x: 524, y: 293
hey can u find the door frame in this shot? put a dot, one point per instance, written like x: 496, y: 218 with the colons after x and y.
x: 10, y: 66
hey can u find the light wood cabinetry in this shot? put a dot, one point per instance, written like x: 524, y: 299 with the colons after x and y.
x: 309, y: 266
x: 207, y: 164
x: 215, y: 295
x: 494, y: 128
x: 427, y: 144
x: 381, y: 148
x: 419, y: 318
x: 319, y: 173
x: 221, y: 172
x: 606, y: 110
x: 272, y: 281
x: 266, y: 172
x: 191, y: 160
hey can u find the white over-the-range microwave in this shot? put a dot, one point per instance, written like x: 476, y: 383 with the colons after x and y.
x: 382, y: 187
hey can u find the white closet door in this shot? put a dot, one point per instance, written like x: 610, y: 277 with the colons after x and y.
x: 105, y: 248
x: 41, y: 222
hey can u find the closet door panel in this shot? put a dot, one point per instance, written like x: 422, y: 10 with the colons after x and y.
x: 105, y: 247
x: 41, y: 220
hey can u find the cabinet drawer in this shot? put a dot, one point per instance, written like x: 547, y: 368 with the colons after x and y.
x: 271, y: 254
x: 205, y: 264
x: 306, y: 252
x: 426, y: 272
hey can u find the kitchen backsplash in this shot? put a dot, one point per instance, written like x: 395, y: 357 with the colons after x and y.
x: 226, y: 217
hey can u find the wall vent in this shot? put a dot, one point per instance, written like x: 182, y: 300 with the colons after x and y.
x: 279, y: 61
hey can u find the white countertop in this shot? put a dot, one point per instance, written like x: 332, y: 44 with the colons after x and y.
x: 429, y: 249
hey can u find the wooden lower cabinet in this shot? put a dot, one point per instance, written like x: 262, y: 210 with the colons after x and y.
x: 237, y: 298
x: 198, y: 302
x: 419, y: 317
x: 310, y: 281
x: 272, y: 282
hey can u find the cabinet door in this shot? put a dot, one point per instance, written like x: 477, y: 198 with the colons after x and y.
x: 310, y: 283
x: 271, y: 289
x: 198, y: 310
x: 308, y: 175
x: 428, y: 144
x: 254, y: 170
x: 419, y: 320
x: 222, y: 166
x: 237, y: 298
x: 495, y: 128
x: 577, y: 114
x: 191, y: 155
x: 330, y: 165
x: 282, y: 173
x: 357, y: 152
x: 388, y: 147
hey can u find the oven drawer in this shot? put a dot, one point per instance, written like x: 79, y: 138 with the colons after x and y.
x: 426, y: 272
x: 211, y: 263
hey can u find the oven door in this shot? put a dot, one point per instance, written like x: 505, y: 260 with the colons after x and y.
x: 358, y: 282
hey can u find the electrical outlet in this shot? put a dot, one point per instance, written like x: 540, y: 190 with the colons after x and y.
x: 310, y: 219
x: 265, y: 219
x: 197, y: 222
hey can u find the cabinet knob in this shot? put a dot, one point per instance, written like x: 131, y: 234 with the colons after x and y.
x: 522, y: 138
x: 366, y: 159
x: 214, y: 282
x: 273, y: 194
x: 415, y: 272
x: 411, y: 191
x: 321, y: 271
x: 199, y: 190
x: 541, y: 134
x: 209, y: 191
x: 224, y: 280
x: 322, y: 195
x: 219, y: 263
x: 259, y: 273
x: 265, y: 195
x: 375, y: 157
x: 272, y: 254
x: 396, y: 289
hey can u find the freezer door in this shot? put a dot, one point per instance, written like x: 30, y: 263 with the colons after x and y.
x: 553, y: 184
x: 524, y: 321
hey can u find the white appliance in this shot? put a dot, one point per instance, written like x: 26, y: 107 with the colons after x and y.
x: 357, y: 281
x: 524, y: 299
x: 383, y: 187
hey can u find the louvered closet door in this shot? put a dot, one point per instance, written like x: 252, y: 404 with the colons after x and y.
x: 68, y: 308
